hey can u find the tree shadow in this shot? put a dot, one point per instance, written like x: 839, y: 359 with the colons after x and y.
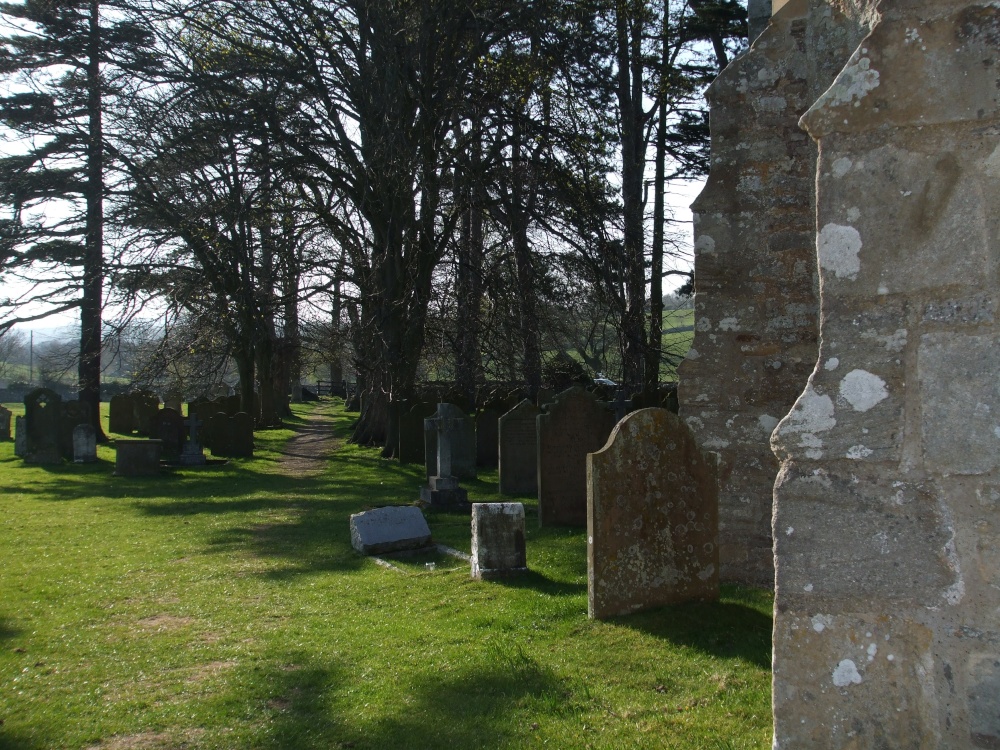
x: 7, y: 629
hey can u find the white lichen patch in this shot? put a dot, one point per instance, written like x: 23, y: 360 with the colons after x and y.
x: 821, y: 622
x: 858, y: 452
x: 893, y: 342
x: 863, y: 390
x: 716, y: 443
x: 846, y: 674
x: 832, y: 364
x: 692, y: 353
x: 729, y: 324
x: 872, y: 651
x: 854, y: 83
x: 841, y: 166
x: 704, y: 244
x: 767, y: 423
x: 853, y: 214
x: 703, y: 325
x: 812, y: 414
x: 839, y: 251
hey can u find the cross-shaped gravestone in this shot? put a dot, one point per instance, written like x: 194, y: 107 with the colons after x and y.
x: 442, y: 489
x: 192, y: 453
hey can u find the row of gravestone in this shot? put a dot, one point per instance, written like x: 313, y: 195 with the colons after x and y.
x: 226, y: 436
x: 538, y: 451
x: 133, y: 413
x: 51, y: 429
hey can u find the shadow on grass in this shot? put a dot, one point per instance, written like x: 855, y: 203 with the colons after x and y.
x: 543, y: 584
x: 7, y: 629
x: 726, y: 629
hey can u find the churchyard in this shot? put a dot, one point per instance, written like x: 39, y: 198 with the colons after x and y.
x: 223, y: 607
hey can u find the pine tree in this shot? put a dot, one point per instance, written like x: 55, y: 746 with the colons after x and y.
x: 59, y: 62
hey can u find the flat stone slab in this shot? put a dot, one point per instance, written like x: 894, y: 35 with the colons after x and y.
x: 391, y: 529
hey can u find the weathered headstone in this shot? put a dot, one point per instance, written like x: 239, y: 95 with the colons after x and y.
x: 576, y: 424
x: 42, y: 416
x: 518, y: 450
x: 5, y: 417
x: 450, y: 426
x: 887, y: 503
x: 145, y: 405
x: 411, y: 433
x: 498, y: 547
x: 20, y: 437
x: 168, y: 427
x: 137, y: 458
x: 756, y: 299
x: 241, y: 430
x: 204, y: 410
x: 652, y: 518
x: 84, y: 444
x: 217, y: 434
x: 71, y: 414
x: 487, y: 436
x: 121, y: 414
x: 392, y: 529
x: 462, y: 435
x: 192, y: 453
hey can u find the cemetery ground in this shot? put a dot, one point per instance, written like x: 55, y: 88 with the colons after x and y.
x: 223, y: 607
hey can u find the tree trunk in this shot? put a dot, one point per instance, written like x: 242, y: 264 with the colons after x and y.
x: 91, y: 303
x: 654, y: 347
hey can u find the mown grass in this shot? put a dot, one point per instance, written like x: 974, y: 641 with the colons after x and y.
x: 223, y: 607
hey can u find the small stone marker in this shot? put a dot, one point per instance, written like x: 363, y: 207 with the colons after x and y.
x: 576, y: 424
x: 137, y: 458
x: 20, y: 437
x: 652, y: 518
x: 84, y: 444
x: 391, y: 529
x: 518, y: 450
x: 498, y: 548
x: 5, y: 415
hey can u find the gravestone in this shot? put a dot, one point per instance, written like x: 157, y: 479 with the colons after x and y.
x: 886, y: 509
x: 71, y: 414
x: 231, y: 405
x: 137, y: 458
x: 84, y: 444
x: 145, y: 405
x: 518, y: 450
x: 42, y: 419
x: 463, y: 444
x: 121, y: 414
x: 498, y: 548
x: 217, y: 436
x: 168, y: 427
x: 575, y: 424
x: 652, y: 518
x: 20, y: 437
x: 487, y: 436
x: 173, y: 400
x: 450, y: 427
x: 544, y: 397
x: 5, y: 417
x: 205, y: 411
x: 192, y: 453
x: 392, y: 529
x: 411, y: 433
x: 241, y: 431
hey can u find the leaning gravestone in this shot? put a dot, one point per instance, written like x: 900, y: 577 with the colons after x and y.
x: 20, y: 437
x: 462, y: 433
x: 411, y: 433
x: 71, y: 415
x: 84, y: 444
x: 498, y: 548
x: 121, y: 415
x: 652, y: 517
x: 576, y: 424
x: 449, y: 425
x: 487, y: 435
x: 5, y: 415
x: 518, y: 450
x: 42, y: 415
x: 137, y: 458
x: 168, y: 427
x: 392, y: 529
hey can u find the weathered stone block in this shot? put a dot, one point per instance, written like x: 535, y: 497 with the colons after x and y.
x: 84, y: 444
x: 652, y: 517
x: 137, y: 458
x: 391, y: 529
x: 498, y: 546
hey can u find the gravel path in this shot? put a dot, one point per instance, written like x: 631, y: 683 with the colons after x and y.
x: 306, y: 453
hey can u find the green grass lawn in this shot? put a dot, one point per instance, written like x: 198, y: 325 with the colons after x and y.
x: 223, y: 607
